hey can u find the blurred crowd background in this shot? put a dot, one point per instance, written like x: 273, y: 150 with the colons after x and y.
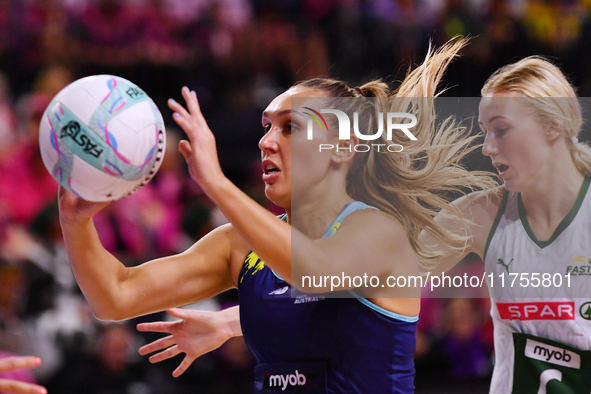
x: 237, y: 55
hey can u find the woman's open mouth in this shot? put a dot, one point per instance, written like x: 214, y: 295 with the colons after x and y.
x: 270, y: 172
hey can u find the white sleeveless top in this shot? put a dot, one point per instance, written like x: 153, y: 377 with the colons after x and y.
x: 541, y: 300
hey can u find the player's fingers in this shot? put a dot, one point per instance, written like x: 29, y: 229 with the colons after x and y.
x: 178, y: 313
x: 185, y: 124
x: 166, y: 354
x: 11, y: 386
x: 157, y: 326
x: 185, y: 149
x: 176, y: 107
x: 192, y: 103
x: 159, y: 344
x: 11, y: 363
x: 185, y: 364
x: 64, y: 195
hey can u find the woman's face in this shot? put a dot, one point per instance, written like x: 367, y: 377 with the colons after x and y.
x: 514, y: 140
x: 285, y: 146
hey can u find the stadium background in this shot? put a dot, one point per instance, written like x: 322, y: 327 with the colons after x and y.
x: 237, y: 55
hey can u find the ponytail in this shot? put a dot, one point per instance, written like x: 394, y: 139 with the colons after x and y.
x: 413, y: 185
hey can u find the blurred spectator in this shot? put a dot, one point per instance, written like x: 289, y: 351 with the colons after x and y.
x: 110, y: 33
x: 109, y: 368
x: 52, y: 79
x: 25, y: 185
x: 8, y: 120
x: 464, y: 344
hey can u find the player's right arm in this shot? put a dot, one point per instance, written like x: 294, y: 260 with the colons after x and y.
x: 479, y: 209
x: 116, y: 292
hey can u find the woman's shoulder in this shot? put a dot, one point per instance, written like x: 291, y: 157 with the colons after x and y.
x: 481, y: 202
x: 377, y: 226
x: 481, y: 208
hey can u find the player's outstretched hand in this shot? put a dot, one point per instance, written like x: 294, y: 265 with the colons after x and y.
x: 73, y: 208
x: 13, y: 386
x: 200, y: 150
x: 197, y: 333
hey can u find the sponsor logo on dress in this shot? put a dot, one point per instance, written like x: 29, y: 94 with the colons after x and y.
x: 506, y: 266
x: 585, y: 311
x: 283, y: 381
x: 552, y: 354
x: 581, y: 269
x: 550, y: 310
x: 306, y: 298
x: 280, y: 291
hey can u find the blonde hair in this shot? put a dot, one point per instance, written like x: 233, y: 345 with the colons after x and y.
x: 553, y: 102
x: 412, y: 185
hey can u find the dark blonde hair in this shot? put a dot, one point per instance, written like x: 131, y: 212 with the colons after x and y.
x: 413, y: 185
x: 553, y: 100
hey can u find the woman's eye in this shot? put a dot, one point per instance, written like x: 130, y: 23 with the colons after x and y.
x: 500, y: 131
x: 266, y: 128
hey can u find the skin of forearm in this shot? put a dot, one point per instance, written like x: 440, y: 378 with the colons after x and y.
x: 94, y: 268
x: 269, y: 237
x: 231, y: 318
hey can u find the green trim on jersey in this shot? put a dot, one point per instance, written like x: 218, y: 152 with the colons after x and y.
x: 562, y: 225
x: 496, y: 222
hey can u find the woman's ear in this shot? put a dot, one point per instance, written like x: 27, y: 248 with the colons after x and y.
x: 554, y: 131
x: 345, y: 150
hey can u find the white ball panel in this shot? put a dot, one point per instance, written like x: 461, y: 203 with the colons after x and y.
x: 80, y: 104
x: 120, y: 189
x: 97, y: 87
x: 145, y: 141
x: 129, y: 143
x: 138, y: 116
x: 85, y: 178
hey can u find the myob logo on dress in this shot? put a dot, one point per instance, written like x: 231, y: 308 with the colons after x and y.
x: 552, y: 354
x: 284, y: 381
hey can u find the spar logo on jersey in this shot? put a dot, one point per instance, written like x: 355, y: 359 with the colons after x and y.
x: 581, y: 269
x: 543, y: 310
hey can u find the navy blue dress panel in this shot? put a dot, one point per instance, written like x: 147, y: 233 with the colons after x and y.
x: 334, y: 345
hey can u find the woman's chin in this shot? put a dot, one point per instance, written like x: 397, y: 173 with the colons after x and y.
x: 279, y: 197
x: 513, y: 186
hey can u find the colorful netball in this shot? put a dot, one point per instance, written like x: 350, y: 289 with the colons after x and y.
x: 102, y: 138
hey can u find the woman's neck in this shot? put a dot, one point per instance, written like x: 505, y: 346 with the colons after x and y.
x: 551, y: 199
x: 313, y: 217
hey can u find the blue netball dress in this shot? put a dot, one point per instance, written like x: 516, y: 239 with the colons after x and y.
x: 318, y: 345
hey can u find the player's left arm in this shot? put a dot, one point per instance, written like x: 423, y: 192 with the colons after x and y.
x: 268, y: 237
x: 368, y: 242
